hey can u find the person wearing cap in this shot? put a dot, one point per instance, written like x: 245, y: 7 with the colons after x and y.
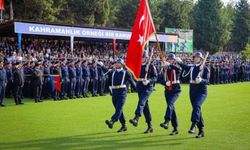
x: 72, y: 79
x: 199, y: 79
x: 119, y: 76
x: 18, y: 82
x: 144, y: 88
x: 37, y: 82
x: 79, y: 80
x: 56, y: 70
x: 64, y: 79
x: 9, y: 86
x: 3, y: 82
x: 94, y: 78
x: 101, y: 78
x: 46, y: 80
x: 86, y: 78
x: 170, y: 79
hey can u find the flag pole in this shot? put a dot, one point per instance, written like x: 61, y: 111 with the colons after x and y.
x: 1, y: 16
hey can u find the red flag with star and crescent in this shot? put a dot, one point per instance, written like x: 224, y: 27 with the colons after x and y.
x: 1, y: 4
x: 141, y: 32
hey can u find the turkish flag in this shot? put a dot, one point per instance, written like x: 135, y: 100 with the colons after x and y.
x: 1, y: 4
x: 142, y: 30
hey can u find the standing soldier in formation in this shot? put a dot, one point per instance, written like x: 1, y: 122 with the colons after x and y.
x: 101, y: 78
x: 94, y: 78
x: 171, y: 81
x: 199, y: 79
x: 56, y: 70
x: 86, y: 78
x: 9, y: 73
x: 46, y: 80
x: 37, y: 82
x: 72, y: 79
x: 64, y: 79
x: 119, y: 77
x: 18, y: 82
x: 145, y: 88
x: 79, y: 81
x: 3, y: 82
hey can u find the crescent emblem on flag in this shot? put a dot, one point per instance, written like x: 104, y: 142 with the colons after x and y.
x: 141, y: 20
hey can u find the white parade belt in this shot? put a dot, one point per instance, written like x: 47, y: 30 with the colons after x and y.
x: 193, y: 82
x: 118, y: 87
x: 175, y: 82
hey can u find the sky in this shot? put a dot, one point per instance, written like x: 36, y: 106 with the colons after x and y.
x: 229, y: 1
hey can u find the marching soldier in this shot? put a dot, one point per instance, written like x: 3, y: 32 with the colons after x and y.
x: 18, y: 82
x: 72, y: 79
x: 101, y: 78
x: 119, y: 77
x: 37, y: 82
x: 79, y: 81
x: 171, y: 76
x: 86, y: 78
x: 199, y: 79
x: 3, y: 82
x: 144, y: 89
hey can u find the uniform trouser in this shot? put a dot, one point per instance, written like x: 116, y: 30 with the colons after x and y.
x: 94, y: 86
x: 9, y: 89
x: 102, y: 84
x: 79, y: 83
x: 2, y: 92
x: 85, y: 86
x: 17, y: 94
x: 197, y: 99
x: 46, y: 90
x: 72, y: 85
x: 170, y: 114
x: 118, y: 102
x: 64, y: 85
x: 37, y: 92
x: 143, y: 106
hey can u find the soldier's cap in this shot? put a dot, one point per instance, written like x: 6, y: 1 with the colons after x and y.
x: 119, y: 60
x: 198, y: 54
x: 171, y: 56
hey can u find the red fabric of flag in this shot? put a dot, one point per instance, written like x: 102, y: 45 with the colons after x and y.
x: 142, y: 30
x: 1, y: 4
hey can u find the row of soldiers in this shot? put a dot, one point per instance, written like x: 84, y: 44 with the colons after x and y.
x: 79, y: 78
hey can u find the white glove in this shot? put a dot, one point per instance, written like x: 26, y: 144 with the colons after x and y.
x: 167, y: 64
x: 167, y: 83
x: 198, y: 80
x: 145, y: 82
x: 178, y: 59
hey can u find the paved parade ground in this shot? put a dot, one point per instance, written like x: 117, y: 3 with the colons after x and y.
x: 79, y: 124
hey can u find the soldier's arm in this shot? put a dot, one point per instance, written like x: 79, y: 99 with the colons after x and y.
x: 153, y: 76
x: 206, y: 76
x: 184, y: 66
x: 130, y: 79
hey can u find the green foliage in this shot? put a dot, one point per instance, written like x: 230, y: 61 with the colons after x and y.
x: 246, y: 52
x: 241, y: 27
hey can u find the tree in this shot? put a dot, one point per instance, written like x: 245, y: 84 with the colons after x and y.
x: 241, y: 27
x: 208, y: 26
x: 175, y: 13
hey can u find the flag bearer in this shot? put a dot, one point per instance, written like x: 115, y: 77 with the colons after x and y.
x: 171, y: 80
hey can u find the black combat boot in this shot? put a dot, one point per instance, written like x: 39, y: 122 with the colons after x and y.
x: 192, y: 128
x: 134, y: 121
x: 174, y: 132
x: 200, y: 134
x: 149, y: 129
x: 165, y: 125
x: 123, y: 128
x: 110, y: 123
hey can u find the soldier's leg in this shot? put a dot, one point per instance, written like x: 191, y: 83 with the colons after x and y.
x: 147, y: 114
x: 120, y: 101
x: 143, y: 97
